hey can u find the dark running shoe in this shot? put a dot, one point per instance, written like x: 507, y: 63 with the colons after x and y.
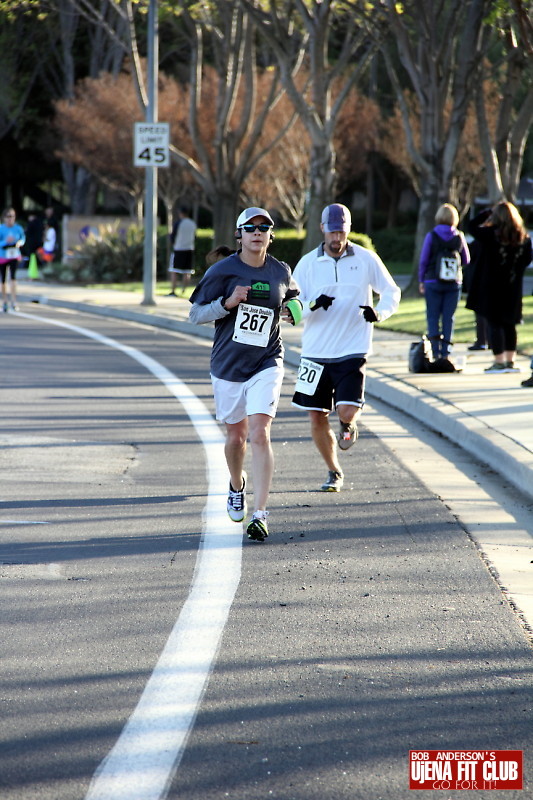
x: 528, y: 382
x: 237, y: 501
x: 334, y: 482
x: 498, y: 366
x: 347, y: 435
x: 257, y: 529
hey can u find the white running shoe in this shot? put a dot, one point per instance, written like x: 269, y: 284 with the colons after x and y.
x: 237, y: 501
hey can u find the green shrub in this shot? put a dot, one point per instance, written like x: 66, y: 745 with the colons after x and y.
x: 287, y: 246
x: 363, y: 240
x: 203, y: 245
x: 111, y: 258
x: 114, y: 259
x: 395, y: 244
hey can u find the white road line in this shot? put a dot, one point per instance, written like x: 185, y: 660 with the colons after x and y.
x: 143, y: 761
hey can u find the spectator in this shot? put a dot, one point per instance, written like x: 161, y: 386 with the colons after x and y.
x: 482, y: 329
x: 217, y: 254
x: 46, y: 253
x: 11, y: 240
x: 496, y: 288
x: 444, y: 252
x: 183, y: 241
x: 34, y: 234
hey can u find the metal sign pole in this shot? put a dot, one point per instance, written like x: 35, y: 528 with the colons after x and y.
x: 150, y: 199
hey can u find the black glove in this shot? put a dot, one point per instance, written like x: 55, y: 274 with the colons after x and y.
x: 323, y: 301
x: 369, y: 314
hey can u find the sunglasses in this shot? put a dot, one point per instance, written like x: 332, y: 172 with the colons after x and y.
x: 263, y: 227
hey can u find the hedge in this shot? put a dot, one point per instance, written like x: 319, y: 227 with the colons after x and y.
x: 113, y: 259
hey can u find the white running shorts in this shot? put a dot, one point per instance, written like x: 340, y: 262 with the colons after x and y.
x: 258, y: 395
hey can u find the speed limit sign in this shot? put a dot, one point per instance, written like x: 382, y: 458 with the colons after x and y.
x: 151, y: 147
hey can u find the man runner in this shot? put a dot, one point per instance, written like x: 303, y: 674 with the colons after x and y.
x: 336, y: 282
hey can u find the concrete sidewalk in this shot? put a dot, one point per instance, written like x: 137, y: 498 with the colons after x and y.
x: 490, y: 416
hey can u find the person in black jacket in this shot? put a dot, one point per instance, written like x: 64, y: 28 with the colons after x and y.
x: 496, y: 285
x: 482, y: 328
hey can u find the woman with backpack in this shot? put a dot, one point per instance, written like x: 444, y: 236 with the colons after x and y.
x: 444, y: 253
x: 496, y: 288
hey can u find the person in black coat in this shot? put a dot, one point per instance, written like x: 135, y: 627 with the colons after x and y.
x: 482, y: 329
x: 34, y: 234
x: 496, y: 284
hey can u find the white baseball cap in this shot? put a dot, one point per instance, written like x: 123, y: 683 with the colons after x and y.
x: 250, y: 213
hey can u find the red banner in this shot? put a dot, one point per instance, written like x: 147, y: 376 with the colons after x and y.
x: 465, y: 769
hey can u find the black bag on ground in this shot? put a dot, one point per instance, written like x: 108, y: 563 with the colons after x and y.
x: 442, y: 365
x: 420, y: 355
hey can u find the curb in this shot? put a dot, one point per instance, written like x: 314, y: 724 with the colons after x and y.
x: 505, y: 456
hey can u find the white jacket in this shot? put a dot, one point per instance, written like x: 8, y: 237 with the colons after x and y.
x: 341, y: 330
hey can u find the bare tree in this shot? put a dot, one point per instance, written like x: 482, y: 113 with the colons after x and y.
x: 468, y: 173
x: 240, y: 99
x: 512, y: 74
x: 64, y: 31
x: 281, y: 180
x: 324, y: 34
x: 222, y: 160
x: 439, y: 47
x: 96, y: 126
x: 19, y: 66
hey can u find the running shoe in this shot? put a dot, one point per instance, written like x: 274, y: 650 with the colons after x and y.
x: 510, y: 366
x: 334, y: 482
x: 5, y: 308
x: 498, y: 366
x: 237, y: 501
x: 348, y: 433
x: 257, y: 527
x: 14, y: 306
x: 528, y: 382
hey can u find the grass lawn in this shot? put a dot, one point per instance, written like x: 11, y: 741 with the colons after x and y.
x: 411, y: 318
x: 162, y: 287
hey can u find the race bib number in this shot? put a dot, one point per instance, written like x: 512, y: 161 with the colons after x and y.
x: 253, y: 325
x: 12, y: 252
x: 448, y: 268
x: 309, y: 373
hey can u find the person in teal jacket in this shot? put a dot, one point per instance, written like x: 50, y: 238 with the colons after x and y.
x: 11, y: 240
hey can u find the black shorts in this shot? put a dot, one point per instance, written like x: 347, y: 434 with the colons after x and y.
x: 182, y: 261
x: 341, y: 383
x: 13, y: 264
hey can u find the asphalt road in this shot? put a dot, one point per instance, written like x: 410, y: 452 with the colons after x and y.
x: 366, y: 626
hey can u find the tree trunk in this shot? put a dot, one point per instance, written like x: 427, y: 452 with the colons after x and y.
x: 322, y: 191
x: 517, y: 145
x: 429, y: 200
x: 225, y: 213
x: 81, y: 188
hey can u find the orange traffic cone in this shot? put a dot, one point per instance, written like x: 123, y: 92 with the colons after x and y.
x: 33, y: 268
